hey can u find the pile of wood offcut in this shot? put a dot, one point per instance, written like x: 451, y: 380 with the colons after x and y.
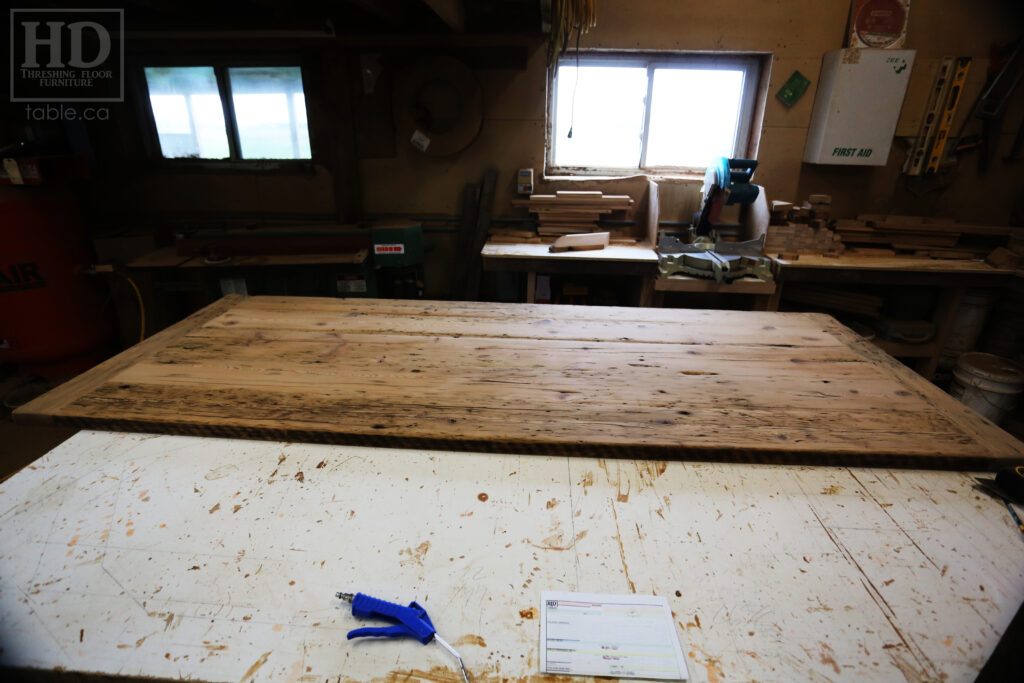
x: 802, y: 229
x: 572, y: 211
x: 922, y: 236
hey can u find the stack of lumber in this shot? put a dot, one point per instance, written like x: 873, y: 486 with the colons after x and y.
x: 797, y: 238
x: 935, y: 237
x: 570, y: 211
x: 817, y: 209
x: 619, y: 238
x: 802, y: 229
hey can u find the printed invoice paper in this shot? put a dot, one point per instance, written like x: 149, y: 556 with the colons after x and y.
x: 628, y: 636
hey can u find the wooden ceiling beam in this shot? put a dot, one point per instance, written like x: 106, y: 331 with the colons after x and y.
x: 393, y: 12
x: 452, y: 12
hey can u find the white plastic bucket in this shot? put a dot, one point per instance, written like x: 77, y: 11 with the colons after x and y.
x: 967, y: 325
x: 988, y: 384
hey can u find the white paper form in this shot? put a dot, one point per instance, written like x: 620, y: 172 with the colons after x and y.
x: 628, y: 636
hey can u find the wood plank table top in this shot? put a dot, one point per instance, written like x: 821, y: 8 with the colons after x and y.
x: 575, y: 380
x: 217, y: 560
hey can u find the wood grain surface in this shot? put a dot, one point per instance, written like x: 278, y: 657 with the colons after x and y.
x: 623, y: 382
x: 903, y: 263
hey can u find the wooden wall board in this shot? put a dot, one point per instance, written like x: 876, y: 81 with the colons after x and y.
x: 624, y: 382
x: 204, y: 559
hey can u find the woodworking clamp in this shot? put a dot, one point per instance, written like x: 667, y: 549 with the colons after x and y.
x: 409, y: 622
x: 727, y: 181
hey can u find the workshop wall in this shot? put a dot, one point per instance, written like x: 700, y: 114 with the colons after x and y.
x: 798, y: 33
x: 395, y: 178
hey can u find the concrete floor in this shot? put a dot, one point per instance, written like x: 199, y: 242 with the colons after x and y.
x: 20, y: 444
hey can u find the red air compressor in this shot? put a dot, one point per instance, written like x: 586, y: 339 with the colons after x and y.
x: 53, y: 315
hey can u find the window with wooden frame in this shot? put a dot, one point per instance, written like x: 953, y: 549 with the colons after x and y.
x: 228, y: 113
x: 620, y: 113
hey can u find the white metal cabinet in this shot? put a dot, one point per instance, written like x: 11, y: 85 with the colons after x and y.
x: 860, y: 94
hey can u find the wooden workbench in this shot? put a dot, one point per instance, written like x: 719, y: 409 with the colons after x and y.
x: 952, y: 277
x: 537, y: 256
x: 900, y: 270
x: 638, y: 259
x: 217, y: 560
x: 168, y: 257
x: 648, y: 383
x: 763, y: 291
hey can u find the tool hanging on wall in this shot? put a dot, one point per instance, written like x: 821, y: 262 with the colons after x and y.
x: 945, y: 122
x: 990, y: 107
x: 568, y: 16
x: 936, y: 102
x: 438, y: 105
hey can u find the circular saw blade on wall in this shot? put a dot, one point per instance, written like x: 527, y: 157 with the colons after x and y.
x: 438, y: 106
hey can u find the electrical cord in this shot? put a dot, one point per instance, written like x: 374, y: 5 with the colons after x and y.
x: 575, y: 85
x: 142, y: 307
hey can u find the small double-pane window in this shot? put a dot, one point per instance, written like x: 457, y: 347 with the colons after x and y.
x: 239, y: 113
x: 625, y: 113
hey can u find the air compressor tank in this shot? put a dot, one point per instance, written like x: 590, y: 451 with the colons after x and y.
x: 54, y: 318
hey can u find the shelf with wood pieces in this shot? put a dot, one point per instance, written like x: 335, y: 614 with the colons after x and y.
x: 951, y: 278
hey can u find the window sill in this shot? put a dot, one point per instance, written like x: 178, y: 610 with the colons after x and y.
x: 653, y: 175
x: 298, y: 166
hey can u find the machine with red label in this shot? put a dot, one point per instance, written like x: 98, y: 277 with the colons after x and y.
x: 398, y: 259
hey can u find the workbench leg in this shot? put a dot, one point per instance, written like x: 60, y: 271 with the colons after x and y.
x: 945, y: 313
x: 768, y: 302
x: 646, y: 292
x: 531, y: 287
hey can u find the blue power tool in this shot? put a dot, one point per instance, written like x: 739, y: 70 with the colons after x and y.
x: 409, y: 622
x: 703, y: 254
x: 727, y: 181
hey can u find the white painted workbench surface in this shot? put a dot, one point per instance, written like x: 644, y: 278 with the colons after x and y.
x: 217, y: 560
x: 641, y: 253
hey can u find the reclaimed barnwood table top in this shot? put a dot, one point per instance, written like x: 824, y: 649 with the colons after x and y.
x: 589, y: 381
x: 183, y: 558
